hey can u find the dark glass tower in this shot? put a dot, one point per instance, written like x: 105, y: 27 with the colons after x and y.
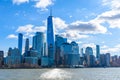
x: 38, y: 43
x: 50, y: 40
x: 20, y: 40
x: 27, y: 45
x: 98, y: 52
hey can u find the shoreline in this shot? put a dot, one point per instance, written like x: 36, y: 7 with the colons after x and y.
x: 60, y: 68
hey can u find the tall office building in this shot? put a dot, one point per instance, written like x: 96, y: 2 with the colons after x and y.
x: 70, y: 54
x: 89, y: 51
x: 89, y: 57
x: 20, y: 40
x: 14, y: 58
x: 50, y: 40
x: 27, y: 45
x: 75, y: 47
x: 58, y: 43
x: 98, y: 52
x: 81, y: 54
x: 38, y: 43
x: 107, y: 56
x: 1, y: 58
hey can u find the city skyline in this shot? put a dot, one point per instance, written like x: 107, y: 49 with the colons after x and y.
x: 86, y: 25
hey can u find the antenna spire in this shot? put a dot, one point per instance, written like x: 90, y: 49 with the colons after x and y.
x: 50, y: 11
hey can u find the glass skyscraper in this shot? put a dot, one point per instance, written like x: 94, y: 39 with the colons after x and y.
x: 27, y: 45
x: 89, y: 51
x: 98, y: 52
x: 38, y: 43
x: 20, y: 40
x: 50, y: 40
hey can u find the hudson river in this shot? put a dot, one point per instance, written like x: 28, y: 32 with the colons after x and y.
x: 61, y: 74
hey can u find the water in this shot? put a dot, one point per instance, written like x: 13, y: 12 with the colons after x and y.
x: 61, y: 74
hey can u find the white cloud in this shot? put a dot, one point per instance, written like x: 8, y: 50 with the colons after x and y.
x: 114, y: 50
x: 112, y: 17
x: 61, y: 28
x: 30, y: 29
x: 92, y: 45
x: 59, y: 24
x: 77, y: 30
x: 89, y: 45
x: 19, y: 1
x: 40, y: 29
x: 26, y: 28
x: 113, y: 4
x: 12, y: 36
x: 90, y: 27
x: 43, y: 4
x: 73, y: 35
x: 104, y: 47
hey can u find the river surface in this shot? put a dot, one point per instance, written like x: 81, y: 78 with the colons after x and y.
x: 61, y: 74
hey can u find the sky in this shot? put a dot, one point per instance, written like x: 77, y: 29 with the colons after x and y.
x: 88, y: 22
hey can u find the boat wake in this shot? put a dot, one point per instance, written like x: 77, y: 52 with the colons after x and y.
x: 55, y: 74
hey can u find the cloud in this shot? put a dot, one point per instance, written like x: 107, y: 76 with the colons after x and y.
x: 59, y: 24
x: 30, y: 29
x: 113, y: 4
x: 61, y: 28
x: 18, y: 2
x: 115, y: 49
x: 43, y: 4
x: 89, y: 45
x: 112, y: 17
x: 26, y: 28
x: 90, y: 27
x: 73, y: 35
x: 78, y: 29
x: 92, y: 45
x: 103, y: 49
x: 12, y: 36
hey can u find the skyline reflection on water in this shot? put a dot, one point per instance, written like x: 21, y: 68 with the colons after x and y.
x: 61, y: 74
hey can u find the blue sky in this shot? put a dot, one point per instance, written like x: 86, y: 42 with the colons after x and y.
x: 88, y: 22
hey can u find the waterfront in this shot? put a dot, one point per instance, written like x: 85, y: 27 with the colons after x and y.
x: 61, y: 74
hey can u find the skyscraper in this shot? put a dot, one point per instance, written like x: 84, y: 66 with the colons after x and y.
x: 27, y: 45
x: 89, y: 57
x: 1, y: 58
x: 89, y: 51
x: 20, y: 40
x: 98, y: 52
x: 38, y: 43
x: 107, y: 56
x: 81, y: 54
x: 50, y: 40
x: 58, y: 42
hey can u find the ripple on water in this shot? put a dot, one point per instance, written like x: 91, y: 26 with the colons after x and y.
x: 55, y: 74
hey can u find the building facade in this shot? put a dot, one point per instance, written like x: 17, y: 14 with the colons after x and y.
x: 50, y: 41
x: 98, y: 52
x: 14, y: 58
x: 38, y: 43
x: 58, y: 43
x: 20, y: 41
x: 1, y: 58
